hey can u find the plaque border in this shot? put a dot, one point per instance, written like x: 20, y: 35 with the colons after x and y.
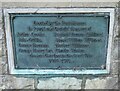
x: 10, y: 54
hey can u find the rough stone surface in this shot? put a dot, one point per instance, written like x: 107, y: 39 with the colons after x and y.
x: 4, y: 65
x: 0, y: 48
x: 114, y: 67
x: 95, y: 84
x: 0, y: 82
x: 56, y: 3
x: 100, y: 83
x: 12, y: 82
x: 0, y: 35
x: 60, y: 83
x: 95, y: 4
x: 118, y: 50
x: 111, y: 83
x: 115, y: 51
x: 0, y: 51
x: 0, y: 66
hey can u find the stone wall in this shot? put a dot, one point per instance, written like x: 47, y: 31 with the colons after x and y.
x: 109, y: 81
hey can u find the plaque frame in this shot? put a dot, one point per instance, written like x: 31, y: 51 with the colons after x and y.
x: 10, y: 54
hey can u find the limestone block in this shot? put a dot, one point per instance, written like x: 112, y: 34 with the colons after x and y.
x: 115, y: 49
x: 59, y: 83
x: 0, y: 66
x: 4, y: 48
x: 119, y: 50
x: 115, y: 68
x: 12, y: 82
x: 36, y: 4
x: 111, y: 83
x: 0, y: 82
x: 0, y: 51
x: 100, y: 83
x: 4, y: 66
x: 0, y: 48
x: 93, y: 4
x: 0, y: 34
x: 0, y: 12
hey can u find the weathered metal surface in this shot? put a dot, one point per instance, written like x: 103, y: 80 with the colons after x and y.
x: 60, y: 41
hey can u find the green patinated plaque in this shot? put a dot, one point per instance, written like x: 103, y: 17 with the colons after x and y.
x: 60, y: 40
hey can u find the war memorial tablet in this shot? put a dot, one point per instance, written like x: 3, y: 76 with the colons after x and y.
x: 58, y: 42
